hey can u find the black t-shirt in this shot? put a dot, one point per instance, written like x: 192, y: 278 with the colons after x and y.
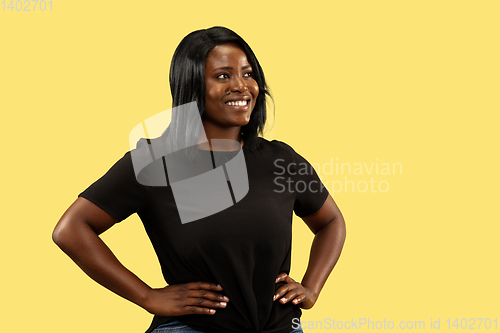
x: 243, y: 248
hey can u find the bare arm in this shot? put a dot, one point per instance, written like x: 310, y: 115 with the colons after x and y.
x: 77, y: 234
x: 329, y: 228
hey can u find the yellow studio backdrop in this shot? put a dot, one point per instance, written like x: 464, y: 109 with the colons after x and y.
x: 396, y: 103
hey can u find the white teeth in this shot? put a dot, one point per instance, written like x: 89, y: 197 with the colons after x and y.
x: 237, y: 103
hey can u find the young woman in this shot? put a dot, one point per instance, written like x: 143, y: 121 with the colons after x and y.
x: 227, y: 271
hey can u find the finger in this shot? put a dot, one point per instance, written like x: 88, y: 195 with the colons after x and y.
x: 281, y: 277
x: 203, y: 285
x: 299, y: 299
x: 281, y: 291
x: 203, y: 302
x: 191, y: 309
x: 208, y: 295
x: 289, y: 296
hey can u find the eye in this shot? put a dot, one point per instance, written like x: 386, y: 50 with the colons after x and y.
x: 249, y: 74
x: 222, y: 76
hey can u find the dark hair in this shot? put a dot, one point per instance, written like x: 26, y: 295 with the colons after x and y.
x: 187, y: 84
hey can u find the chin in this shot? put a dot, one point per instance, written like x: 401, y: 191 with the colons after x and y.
x: 242, y: 122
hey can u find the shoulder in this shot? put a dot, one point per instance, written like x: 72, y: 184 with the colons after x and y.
x: 278, y: 148
x: 275, y: 146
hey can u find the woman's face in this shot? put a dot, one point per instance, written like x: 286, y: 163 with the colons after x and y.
x: 231, y: 91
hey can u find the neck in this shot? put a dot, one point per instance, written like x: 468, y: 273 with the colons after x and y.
x: 233, y: 134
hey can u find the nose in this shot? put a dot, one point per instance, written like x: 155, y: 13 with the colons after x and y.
x: 238, y: 85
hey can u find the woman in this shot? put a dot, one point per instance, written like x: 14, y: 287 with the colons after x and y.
x: 227, y: 271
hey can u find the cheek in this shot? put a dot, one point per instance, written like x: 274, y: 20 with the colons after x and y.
x: 212, y: 96
x: 254, y: 89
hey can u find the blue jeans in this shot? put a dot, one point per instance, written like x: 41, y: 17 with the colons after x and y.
x: 177, y: 326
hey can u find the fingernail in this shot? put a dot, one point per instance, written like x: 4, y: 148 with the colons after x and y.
x: 223, y: 303
x: 226, y: 299
x: 274, y: 297
x: 219, y: 286
x: 212, y: 311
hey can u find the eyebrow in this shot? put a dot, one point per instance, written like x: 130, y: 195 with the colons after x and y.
x: 231, y: 68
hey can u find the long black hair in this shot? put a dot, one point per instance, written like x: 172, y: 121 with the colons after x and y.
x: 187, y: 84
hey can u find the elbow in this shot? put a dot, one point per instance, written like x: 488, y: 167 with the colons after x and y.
x: 344, y: 229
x: 341, y: 226
x: 62, y: 234
x: 58, y: 235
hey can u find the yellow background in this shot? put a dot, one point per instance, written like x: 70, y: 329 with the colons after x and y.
x: 409, y: 82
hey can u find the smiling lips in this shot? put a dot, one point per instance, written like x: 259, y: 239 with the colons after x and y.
x: 238, y: 105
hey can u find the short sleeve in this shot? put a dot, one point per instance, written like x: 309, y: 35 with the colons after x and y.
x: 117, y: 192
x: 310, y: 193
